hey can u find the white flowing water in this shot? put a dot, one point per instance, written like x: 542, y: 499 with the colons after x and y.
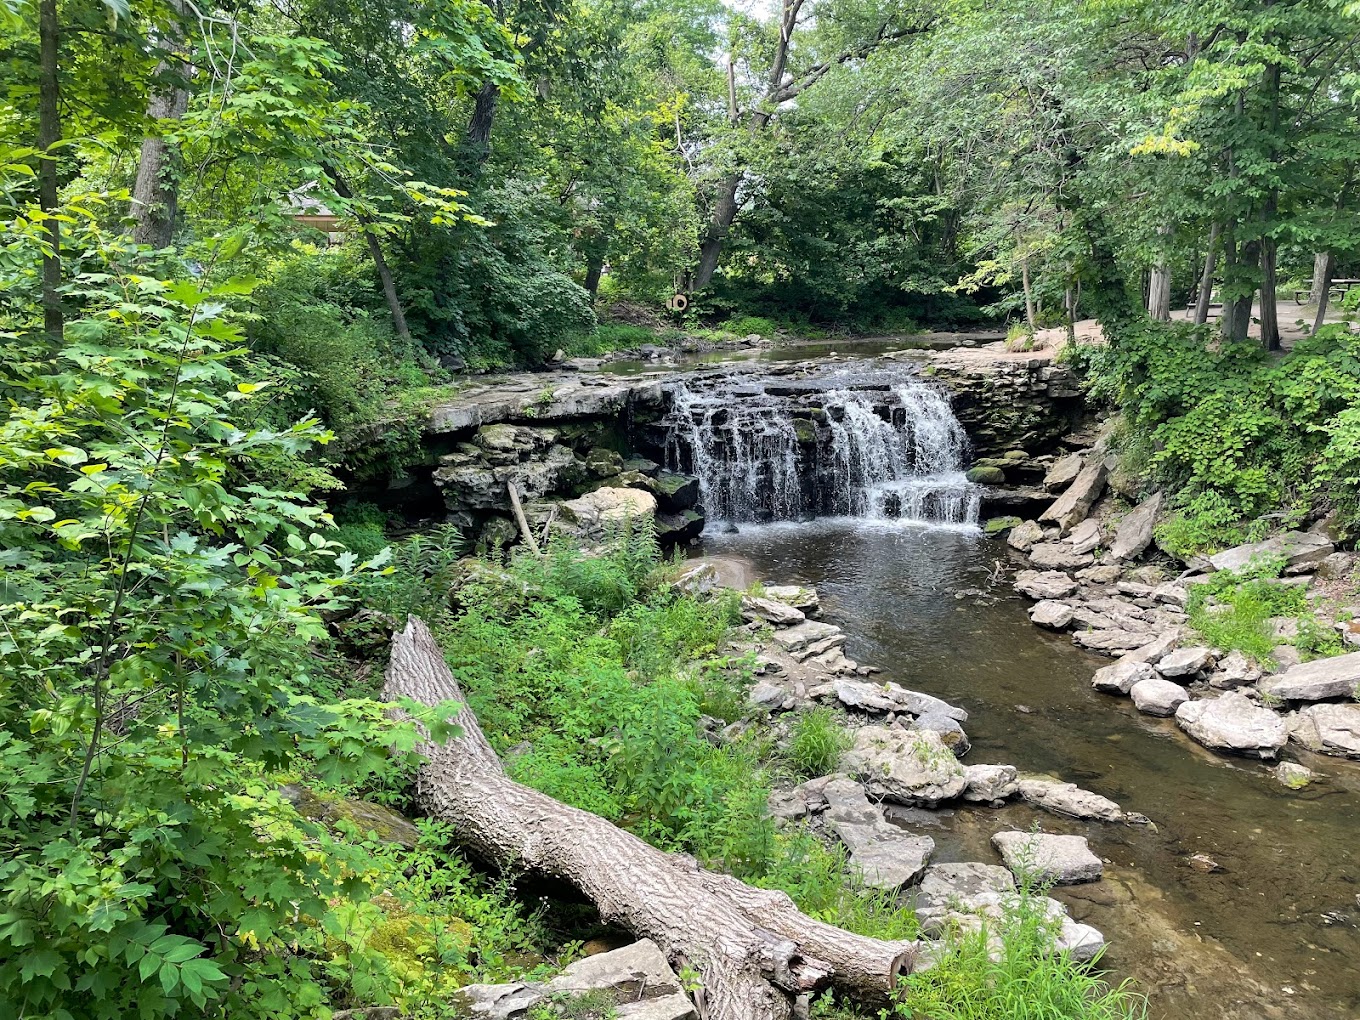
x: 765, y: 450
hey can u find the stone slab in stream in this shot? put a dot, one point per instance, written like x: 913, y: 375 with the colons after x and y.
x: 887, y: 697
x: 1233, y: 722
x: 1071, y: 801
x: 1047, y: 857
x: 1120, y: 677
x: 1298, y: 549
x: 887, y: 856
x: 988, y: 783
x: 905, y: 767
x: 1319, y: 680
x: 1046, y: 584
x: 1329, y: 729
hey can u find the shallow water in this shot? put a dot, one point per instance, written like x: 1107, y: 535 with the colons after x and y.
x: 1273, y: 934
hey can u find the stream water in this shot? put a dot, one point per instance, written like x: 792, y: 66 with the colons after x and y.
x: 1273, y: 934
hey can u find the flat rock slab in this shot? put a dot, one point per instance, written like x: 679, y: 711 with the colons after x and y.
x: 1318, y: 680
x: 1120, y: 677
x: 1156, y: 648
x: 1134, y: 533
x: 1070, y: 800
x: 809, y: 632
x: 1046, y: 584
x: 1233, y: 722
x: 1063, y: 860
x: 887, y: 697
x: 771, y: 611
x: 1024, y: 537
x: 912, y: 767
x: 1298, y: 549
x: 887, y: 856
x: 802, y: 598
x: 1112, y: 640
x: 1156, y: 696
x: 1059, y: 556
x: 1329, y: 729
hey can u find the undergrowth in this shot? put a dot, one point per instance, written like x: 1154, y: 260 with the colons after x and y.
x: 1232, y: 611
x: 817, y: 742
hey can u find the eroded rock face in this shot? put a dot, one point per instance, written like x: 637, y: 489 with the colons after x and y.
x: 912, y: 767
x: 1329, y: 729
x: 1049, y: 858
x: 597, y: 513
x: 1318, y: 680
x: 1232, y: 722
x: 1298, y: 549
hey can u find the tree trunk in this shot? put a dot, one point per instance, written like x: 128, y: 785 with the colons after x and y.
x: 49, y: 133
x: 1322, y: 286
x: 1159, y: 293
x: 389, y: 287
x: 753, y: 949
x: 1249, y: 260
x: 724, y: 212
x: 1270, y: 319
x: 478, y: 135
x: 1206, y: 279
x: 1029, y: 295
x: 155, y: 193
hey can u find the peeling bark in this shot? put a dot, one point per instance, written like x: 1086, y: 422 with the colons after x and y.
x: 753, y: 949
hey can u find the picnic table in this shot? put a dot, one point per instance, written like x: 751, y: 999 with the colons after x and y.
x: 1337, y: 290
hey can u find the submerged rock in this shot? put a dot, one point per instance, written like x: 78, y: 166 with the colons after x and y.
x: 1071, y: 801
x: 1292, y: 774
x: 912, y: 767
x: 1048, y: 858
x: 1232, y: 722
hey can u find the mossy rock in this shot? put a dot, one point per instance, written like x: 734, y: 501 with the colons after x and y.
x: 1015, y: 455
x: 370, y: 819
x: 804, y: 431
x: 985, y: 474
x: 998, y: 526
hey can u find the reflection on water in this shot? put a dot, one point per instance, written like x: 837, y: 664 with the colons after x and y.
x: 1272, y: 934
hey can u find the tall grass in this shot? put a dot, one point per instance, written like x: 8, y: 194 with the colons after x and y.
x: 817, y: 742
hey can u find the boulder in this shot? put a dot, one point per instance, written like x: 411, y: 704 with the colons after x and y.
x: 1024, y: 537
x: 1101, y: 573
x: 775, y: 613
x: 1298, y: 549
x: 1059, y: 556
x: 1234, y: 670
x: 1185, y: 662
x: 1233, y: 722
x: 985, y: 475
x: 1063, y: 860
x: 1086, y: 537
x: 599, y: 462
x: 995, y: 527
x: 887, y: 856
x: 768, y: 695
x: 1051, y: 614
x: 1171, y: 593
x: 1337, y: 565
x: 806, y: 634
x: 948, y: 730
x: 1292, y: 774
x: 1318, y: 680
x: 675, y: 492
x: 1071, y: 508
x: 987, y: 783
x: 596, y: 514
x: 1048, y: 584
x: 1155, y: 696
x: 1329, y: 729
x: 905, y: 766
x: 1069, y: 800
x: 1063, y: 472
x: 677, y: 528
x: 1134, y: 533
x: 1120, y: 677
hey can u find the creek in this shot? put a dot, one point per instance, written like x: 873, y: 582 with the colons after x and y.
x: 1271, y: 933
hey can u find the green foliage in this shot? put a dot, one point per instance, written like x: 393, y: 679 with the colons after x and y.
x: 1232, y: 609
x: 361, y: 528
x: 608, y: 337
x: 1010, y: 972
x: 817, y: 742
x: 745, y: 325
x: 1204, y: 523
x: 1238, y: 432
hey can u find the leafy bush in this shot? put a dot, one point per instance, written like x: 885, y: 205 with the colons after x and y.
x: 1204, y: 523
x: 1242, y: 604
x: 817, y: 742
x: 975, y: 979
x: 607, y: 337
x: 361, y: 528
x: 745, y: 325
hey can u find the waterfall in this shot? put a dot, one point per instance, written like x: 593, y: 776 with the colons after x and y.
x: 865, y: 444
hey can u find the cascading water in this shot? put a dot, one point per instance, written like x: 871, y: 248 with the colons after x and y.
x: 869, y: 444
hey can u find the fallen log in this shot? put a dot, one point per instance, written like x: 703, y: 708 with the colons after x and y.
x: 754, y: 951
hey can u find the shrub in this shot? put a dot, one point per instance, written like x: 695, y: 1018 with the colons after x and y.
x: 745, y: 325
x: 607, y: 337
x: 1243, y: 603
x: 817, y: 742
